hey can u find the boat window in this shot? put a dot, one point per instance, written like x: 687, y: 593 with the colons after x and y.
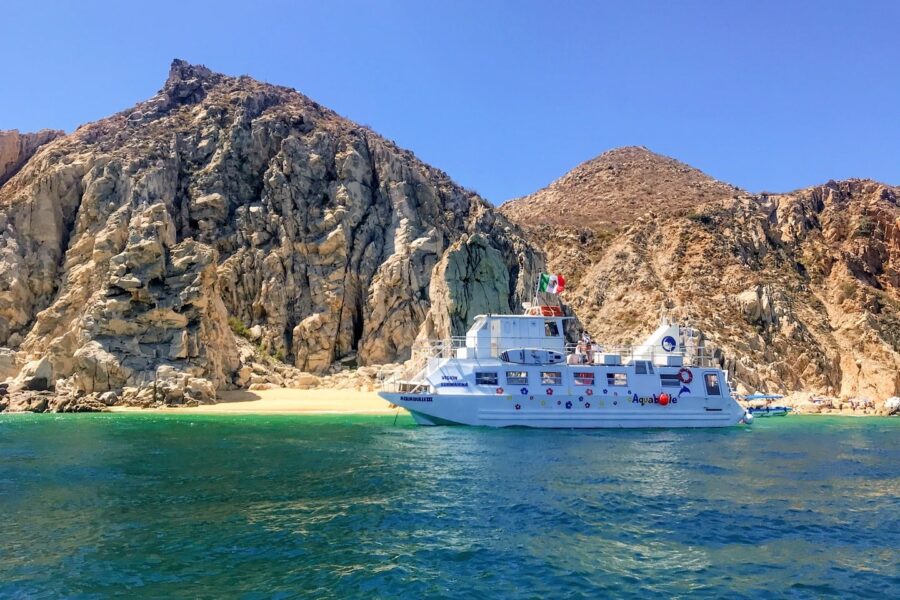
x: 551, y: 378
x: 486, y: 378
x: 616, y: 379
x: 642, y: 367
x: 551, y: 329
x: 517, y: 378
x: 584, y: 379
x: 712, y: 385
x: 669, y: 380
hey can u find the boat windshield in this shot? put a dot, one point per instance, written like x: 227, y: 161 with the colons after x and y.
x: 551, y: 329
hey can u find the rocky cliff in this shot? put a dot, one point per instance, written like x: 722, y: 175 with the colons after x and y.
x: 134, y: 248
x: 797, y: 291
x: 16, y: 148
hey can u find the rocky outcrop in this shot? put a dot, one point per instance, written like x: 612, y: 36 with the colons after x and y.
x: 9, y: 367
x: 794, y: 292
x: 134, y: 250
x: 16, y: 148
x: 471, y: 279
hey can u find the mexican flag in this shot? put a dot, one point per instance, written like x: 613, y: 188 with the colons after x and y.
x: 552, y: 283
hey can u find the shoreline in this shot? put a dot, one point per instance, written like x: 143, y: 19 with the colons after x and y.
x: 281, y: 401
x: 358, y: 400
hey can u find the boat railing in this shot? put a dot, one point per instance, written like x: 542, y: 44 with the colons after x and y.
x: 424, y: 350
x: 411, y: 376
x: 395, y: 383
x: 690, y: 357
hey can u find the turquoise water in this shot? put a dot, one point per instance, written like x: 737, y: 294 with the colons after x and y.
x: 163, y: 506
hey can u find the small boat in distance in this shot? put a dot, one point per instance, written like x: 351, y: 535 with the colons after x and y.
x: 767, y: 411
x: 517, y: 370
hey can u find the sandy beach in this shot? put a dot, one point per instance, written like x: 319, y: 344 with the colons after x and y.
x: 283, y: 401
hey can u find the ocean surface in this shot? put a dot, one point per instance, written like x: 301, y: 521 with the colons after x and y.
x: 181, y: 506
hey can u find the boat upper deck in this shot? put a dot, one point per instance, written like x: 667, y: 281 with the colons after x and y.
x: 493, y: 335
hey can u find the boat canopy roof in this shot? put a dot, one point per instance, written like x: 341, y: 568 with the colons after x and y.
x: 764, y: 397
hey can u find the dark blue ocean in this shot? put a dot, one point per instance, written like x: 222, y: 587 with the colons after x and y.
x: 178, y: 506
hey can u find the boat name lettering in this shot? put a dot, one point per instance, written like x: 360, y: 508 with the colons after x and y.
x: 449, y: 378
x: 453, y: 384
x: 416, y: 399
x: 650, y: 400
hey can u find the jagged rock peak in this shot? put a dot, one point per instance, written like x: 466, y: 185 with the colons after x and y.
x: 848, y: 188
x: 188, y: 83
x: 182, y: 70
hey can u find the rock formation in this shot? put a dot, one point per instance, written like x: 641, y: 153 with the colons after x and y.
x: 134, y: 248
x: 794, y: 292
x: 16, y: 148
x: 229, y: 233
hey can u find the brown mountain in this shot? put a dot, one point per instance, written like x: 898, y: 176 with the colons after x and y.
x: 797, y: 291
x: 608, y: 191
x: 128, y: 247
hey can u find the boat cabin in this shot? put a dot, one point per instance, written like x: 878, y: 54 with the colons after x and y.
x: 491, y: 335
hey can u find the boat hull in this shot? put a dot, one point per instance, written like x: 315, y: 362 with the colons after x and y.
x: 565, y: 412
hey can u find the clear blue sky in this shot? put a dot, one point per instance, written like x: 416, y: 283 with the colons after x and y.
x: 507, y: 96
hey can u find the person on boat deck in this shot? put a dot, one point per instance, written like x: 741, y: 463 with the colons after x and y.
x: 585, y: 338
x: 576, y: 358
x: 580, y: 356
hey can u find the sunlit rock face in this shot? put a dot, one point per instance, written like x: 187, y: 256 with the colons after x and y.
x: 127, y: 246
x: 16, y: 148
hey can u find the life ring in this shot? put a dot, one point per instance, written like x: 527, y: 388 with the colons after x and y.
x: 589, y: 392
x: 685, y: 376
x: 499, y: 390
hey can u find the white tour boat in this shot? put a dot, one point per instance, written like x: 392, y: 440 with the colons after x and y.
x: 517, y: 370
